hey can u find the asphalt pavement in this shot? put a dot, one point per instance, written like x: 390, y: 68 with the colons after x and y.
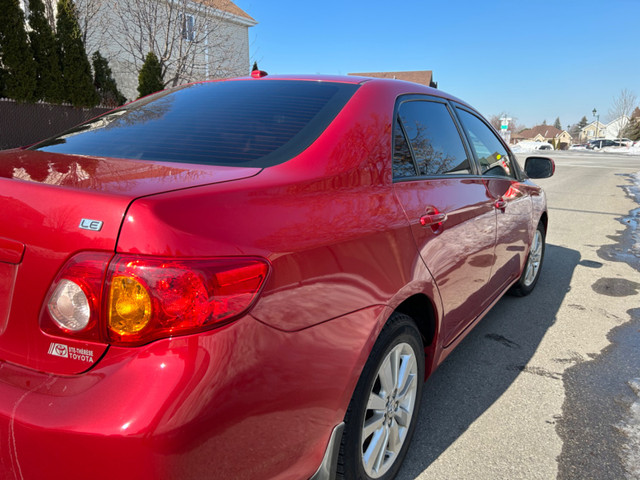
x: 543, y: 387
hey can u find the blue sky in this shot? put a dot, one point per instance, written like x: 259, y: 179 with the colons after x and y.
x: 536, y: 60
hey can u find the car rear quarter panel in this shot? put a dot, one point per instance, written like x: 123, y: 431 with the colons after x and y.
x: 327, y: 220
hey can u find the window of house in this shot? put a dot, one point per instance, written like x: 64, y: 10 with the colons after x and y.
x: 434, y: 138
x: 188, y: 23
x: 492, y: 156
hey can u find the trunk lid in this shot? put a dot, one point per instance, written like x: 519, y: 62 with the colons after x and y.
x: 54, y: 206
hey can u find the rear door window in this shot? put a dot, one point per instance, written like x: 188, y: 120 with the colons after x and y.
x: 434, y: 139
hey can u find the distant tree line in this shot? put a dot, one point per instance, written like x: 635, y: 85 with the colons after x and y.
x: 50, y: 63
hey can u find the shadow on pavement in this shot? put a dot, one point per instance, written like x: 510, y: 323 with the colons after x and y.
x: 487, y: 362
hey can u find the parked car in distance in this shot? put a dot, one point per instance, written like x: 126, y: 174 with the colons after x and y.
x: 624, y: 142
x: 250, y: 278
x: 602, y: 143
x: 576, y: 146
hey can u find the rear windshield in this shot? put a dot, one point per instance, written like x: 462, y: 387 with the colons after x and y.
x: 235, y: 123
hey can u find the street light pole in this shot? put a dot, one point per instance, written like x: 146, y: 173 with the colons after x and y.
x: 595, y: 114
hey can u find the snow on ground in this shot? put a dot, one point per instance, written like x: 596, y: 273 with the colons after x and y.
x: 624, y: 150
x: 529, y: 146
x: 631, y: 429
x: 631, y: 426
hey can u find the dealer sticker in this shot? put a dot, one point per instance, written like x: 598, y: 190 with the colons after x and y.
x: 73, y: 353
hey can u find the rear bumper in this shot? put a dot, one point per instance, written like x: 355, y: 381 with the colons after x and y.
x: 242, y: 401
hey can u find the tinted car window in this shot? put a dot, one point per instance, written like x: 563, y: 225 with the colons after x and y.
x: 492, y: 156
x: 403, y: 165
x: 434, y: 138
x: 246, y: 123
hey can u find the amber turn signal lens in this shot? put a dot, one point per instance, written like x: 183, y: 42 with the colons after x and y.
x: 129, y: 306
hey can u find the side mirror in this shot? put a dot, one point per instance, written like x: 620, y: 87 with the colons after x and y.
x: 539, y: 167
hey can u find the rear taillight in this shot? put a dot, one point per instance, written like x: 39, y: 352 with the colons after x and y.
x: 152, y: 298
x: 131, y: 300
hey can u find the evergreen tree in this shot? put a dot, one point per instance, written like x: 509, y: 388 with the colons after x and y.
x: 105, y: 83
x: 150, y: 77
x: 255, y: 67
x: 76, y: 70
x: 15, y: 53
x: 544, y: 122
x: 49, y: 86
x: 583, y: 122
x: 557, y: 123
x: 632, y: 131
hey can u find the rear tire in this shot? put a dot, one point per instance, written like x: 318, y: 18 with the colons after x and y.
x: 383, y: 412
x: 531, y: 271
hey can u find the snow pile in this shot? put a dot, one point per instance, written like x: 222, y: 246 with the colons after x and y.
x: 623, y: 150
x: 530, y: 146
x: 631, y: 429
x: 633, y: 150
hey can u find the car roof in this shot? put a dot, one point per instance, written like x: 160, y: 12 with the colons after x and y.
x: 400, y: 86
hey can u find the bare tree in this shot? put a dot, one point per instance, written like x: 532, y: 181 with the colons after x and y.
x: 621, y: 107
x: 191, y: 39
x: 91, y: 22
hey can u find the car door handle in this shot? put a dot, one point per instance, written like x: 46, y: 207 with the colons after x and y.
x: 433, y: 219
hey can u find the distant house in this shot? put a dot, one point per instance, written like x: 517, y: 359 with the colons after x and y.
x: 610, y: 130
x: 544, y: 133
x: 423, y: 77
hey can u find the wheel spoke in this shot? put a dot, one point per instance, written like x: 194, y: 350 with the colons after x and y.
x: 395, y: 366
x: 405, y: 380
x: 375, y: 453
x: 402, y: 417
x: 395, y: 442
x: 386, y: 376
x: 376, y: 402
x: 372, y: 425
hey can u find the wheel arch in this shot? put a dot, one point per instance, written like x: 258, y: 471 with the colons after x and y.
x: 544, y: 219
x: 422, y: 310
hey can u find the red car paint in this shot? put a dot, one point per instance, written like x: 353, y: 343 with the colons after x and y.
x: 257, y: 397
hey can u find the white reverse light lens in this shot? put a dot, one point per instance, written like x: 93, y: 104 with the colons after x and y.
x: 69, y: 306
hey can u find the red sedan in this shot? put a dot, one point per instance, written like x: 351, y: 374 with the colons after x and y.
x: 250, y: 278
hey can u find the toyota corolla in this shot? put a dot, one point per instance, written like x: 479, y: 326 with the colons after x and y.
x: 250, y: 279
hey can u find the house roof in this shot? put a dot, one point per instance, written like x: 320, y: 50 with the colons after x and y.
x: 229, y: 7
x: 546, y: 131
x: 423, y: 77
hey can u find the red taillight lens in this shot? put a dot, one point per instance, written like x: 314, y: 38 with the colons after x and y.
x: 150, y: 298
x: 132, y: 300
